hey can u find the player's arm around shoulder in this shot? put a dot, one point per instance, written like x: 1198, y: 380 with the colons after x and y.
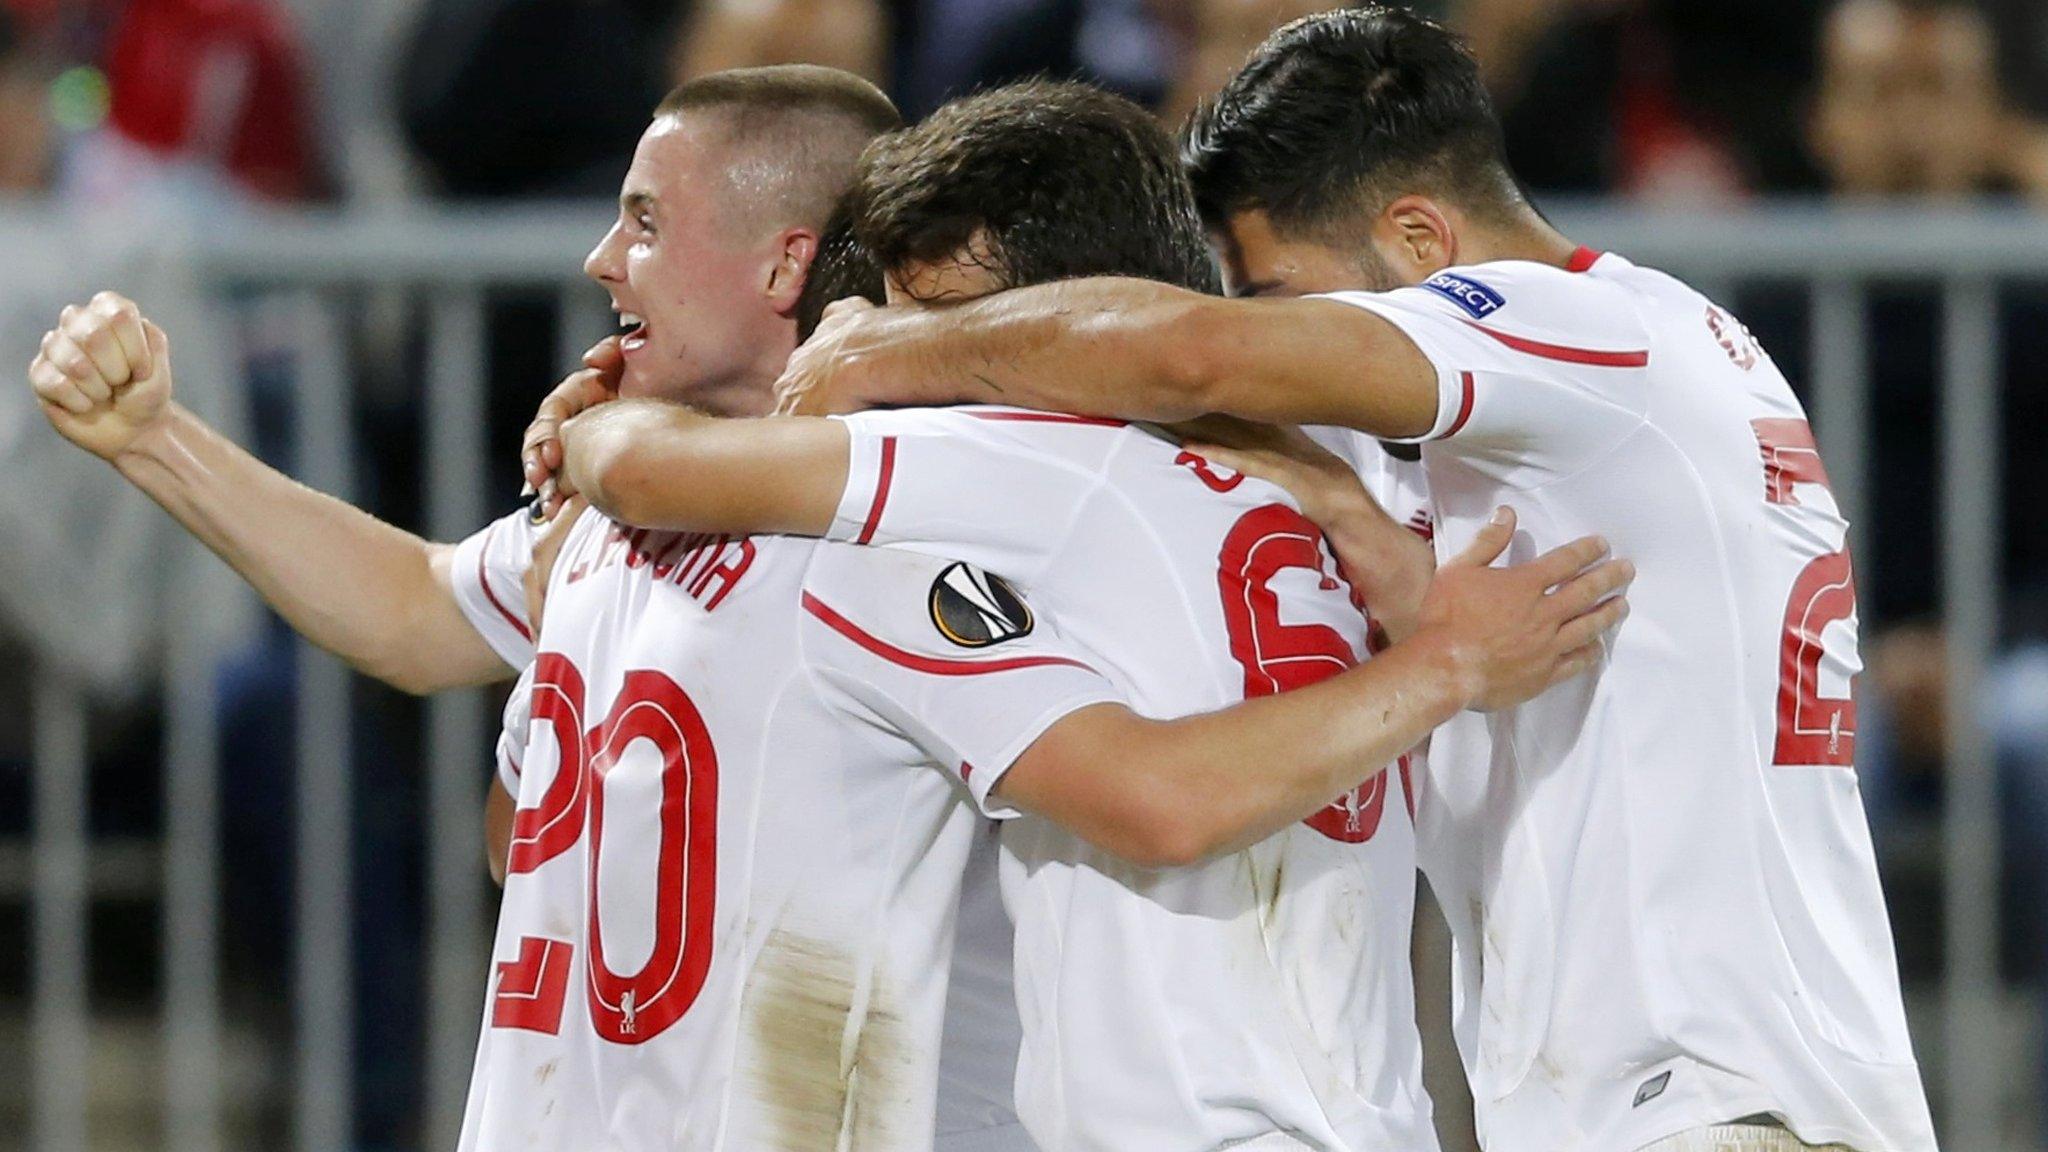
x: 1123, y: 347
x: 1166, y: 793
x: 655, y: 464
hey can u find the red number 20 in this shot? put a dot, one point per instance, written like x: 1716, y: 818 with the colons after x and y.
x: 1276, y: 656
x: 626, y: 1008
x: 1812, y: 729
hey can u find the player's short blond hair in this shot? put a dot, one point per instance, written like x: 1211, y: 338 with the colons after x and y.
x: 795, y: 132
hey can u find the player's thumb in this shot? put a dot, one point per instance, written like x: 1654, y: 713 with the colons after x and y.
x: 1492, y: 540
x: 159, y: 351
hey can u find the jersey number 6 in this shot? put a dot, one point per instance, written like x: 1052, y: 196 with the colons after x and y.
x: 1276, y: 656
x: 625, y: 1008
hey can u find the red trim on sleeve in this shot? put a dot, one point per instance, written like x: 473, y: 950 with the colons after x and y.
x: 1566, y: 353
x: 888, y: 471
x: 483, y: 579
x: 937, y: 666
x: 1464, y: 407
x: 1051, y: 418
x: 1582, y: 259
x: 966, y: 771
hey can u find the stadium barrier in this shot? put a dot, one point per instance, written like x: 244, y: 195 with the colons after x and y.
x: 448, y: 260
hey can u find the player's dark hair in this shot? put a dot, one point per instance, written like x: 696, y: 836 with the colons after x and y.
x: 1059, y: 179
x: 842, y: 268
x: 796, y: 131
x: 1338, y: 114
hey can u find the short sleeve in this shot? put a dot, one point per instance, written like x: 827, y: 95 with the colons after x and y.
x: 489, y: 578
x: 943, y: 654
x: 999, y: 489
x: 1529, y: 359
x: 512, y: 733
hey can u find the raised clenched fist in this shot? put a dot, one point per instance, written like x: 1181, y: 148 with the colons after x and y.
x: 103, y: 374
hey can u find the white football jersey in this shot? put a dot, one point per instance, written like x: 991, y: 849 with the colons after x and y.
x: 1660, y: 879
x: 1260, y: 1001
x: 729, y: 913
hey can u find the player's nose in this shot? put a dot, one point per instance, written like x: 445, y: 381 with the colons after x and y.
x: 603, y: 264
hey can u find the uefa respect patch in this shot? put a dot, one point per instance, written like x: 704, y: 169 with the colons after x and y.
x: 1466, y: 293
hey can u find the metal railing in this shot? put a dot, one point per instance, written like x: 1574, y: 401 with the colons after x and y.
x: 450, y: 259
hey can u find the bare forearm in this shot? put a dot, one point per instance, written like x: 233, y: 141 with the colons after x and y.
x: 1147, y: 351
x: 1256, y: 769
x: 373, y: 594
x: 1098, y: 346
x: 1388, y: 564
x: 660, y: 465
x: 1166, y: 793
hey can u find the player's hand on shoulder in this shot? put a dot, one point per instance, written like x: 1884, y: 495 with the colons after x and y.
x: 546, y: 550
x: 817, y: 379
x: 103, y: 374
x: 1322, y: 484
x: 1517, y: 631
x: 540, y: 450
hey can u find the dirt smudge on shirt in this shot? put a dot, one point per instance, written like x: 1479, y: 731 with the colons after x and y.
x: 825, y: 1053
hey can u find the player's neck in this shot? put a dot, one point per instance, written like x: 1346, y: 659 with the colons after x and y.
x: 750, y: 391
x: 1524, y: 236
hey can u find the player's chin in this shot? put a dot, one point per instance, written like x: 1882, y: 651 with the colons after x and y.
x: 638, y: 380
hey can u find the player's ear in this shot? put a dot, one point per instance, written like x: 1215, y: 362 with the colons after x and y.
x: 792, y: 264
x: 1416, y: 236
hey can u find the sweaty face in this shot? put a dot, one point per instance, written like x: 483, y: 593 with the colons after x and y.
x: 687, y: 270
x: 1258, y: 261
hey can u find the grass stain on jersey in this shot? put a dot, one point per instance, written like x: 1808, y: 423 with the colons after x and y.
x: 829, y: 1060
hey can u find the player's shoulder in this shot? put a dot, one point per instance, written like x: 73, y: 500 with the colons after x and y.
x: 1019, y: 431
x: 1589, y: 304
x: 1586, y: 299
x: 910, y: 607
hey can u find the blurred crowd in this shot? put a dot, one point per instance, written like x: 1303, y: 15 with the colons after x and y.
x: 1658, y: 101
x: 199, y: 105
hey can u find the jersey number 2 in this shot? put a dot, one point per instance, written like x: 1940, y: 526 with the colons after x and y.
x: 1276, y: 656
x: 628, y: 1007
x: 1812, y: 729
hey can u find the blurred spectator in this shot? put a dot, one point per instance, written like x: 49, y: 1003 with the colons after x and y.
x: 947, y: 48
x: 1660, y: 100
x: 852, y: 35
x: 209, y: 105
x: 1222, y: 34
x: 24, y: 126
x: 1910, y: 103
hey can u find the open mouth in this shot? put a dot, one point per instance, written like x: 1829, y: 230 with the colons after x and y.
x: 632, y: 331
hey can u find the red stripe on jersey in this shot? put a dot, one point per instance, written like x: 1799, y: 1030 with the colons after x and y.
x: 1464, y: 407
x: 1566, y: 353
x: 1051, y: 418
x: 483, y: 578
x: 937, y: 666
x: 1583, y: 259
x: 888, y: 471
x: 966, y: 771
